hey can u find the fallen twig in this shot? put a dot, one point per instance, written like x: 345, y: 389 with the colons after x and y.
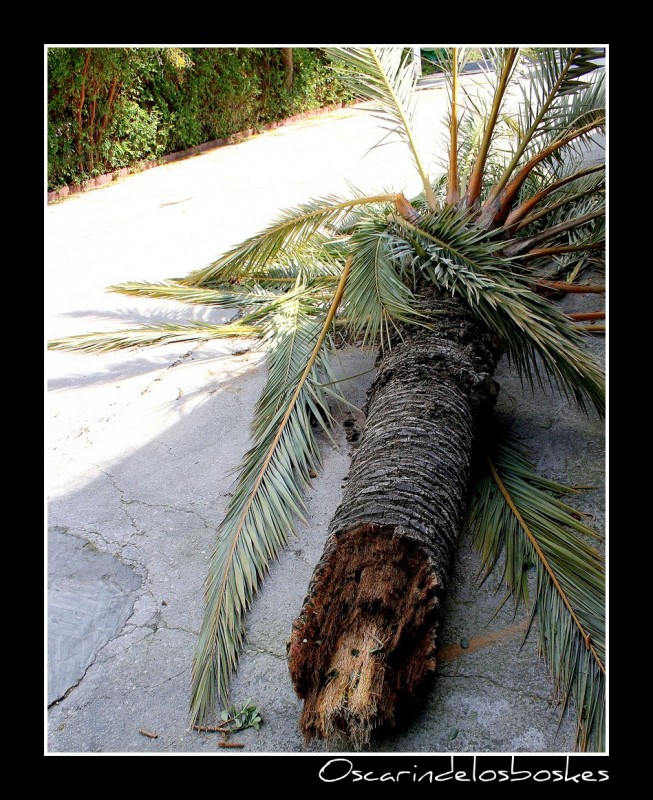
x: 210, y: 728
x: 569, y: 288
x: 149, y: 734
x: 231, y: 744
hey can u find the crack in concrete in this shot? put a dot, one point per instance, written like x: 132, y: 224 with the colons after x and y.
x: 178, y: 628
x: 138, y: 569
x: 124, y: 502
x: 165, y: 680
x: 70, y: 713
x: 152, y: 625
x: 262, y: 651
x: 101, y: 658
x: 175, y: 363
x: 301, y: 556
x: 66, y: 694
x: 117, y: 550
x: 113, y: 548
x: 494, y: 682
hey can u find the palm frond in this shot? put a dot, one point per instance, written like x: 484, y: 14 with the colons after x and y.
x: 376, y: 296
x: 537, y: 337
x: 574, y: 184
x: 263, y: 302
x: 574, y: 222
x: 573, y: 200
x: 453, y: 178
x: 150, y: 335
x: 470, y: 137
x: 387, y: 76
x: 227, y: 297
x: 580, y: 233
x: 496, y: 211
x: 561, y: 86
x: 289, y: 340
x: 514, y: 512
x: 293, y: 231
x: 268, y: 493
x: 558, y: 106
x: 585, y: 247
x: 505, y: 62
x: 593, y: 198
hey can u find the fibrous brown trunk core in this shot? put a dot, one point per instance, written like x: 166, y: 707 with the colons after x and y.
x: 365, y: 640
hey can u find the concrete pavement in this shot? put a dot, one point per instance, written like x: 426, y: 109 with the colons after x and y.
x: 141, y: 446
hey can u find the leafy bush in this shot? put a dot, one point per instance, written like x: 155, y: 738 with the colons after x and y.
x: 111, y: 107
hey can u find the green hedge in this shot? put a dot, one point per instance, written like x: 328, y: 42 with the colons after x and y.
x: 111, y: 107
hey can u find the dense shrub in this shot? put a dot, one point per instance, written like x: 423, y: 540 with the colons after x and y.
x: 111, y: 107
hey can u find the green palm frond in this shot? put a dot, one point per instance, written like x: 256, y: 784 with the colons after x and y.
x: 453, y: 63
x: 265, y: 303
x: 557, y: 110
x: 150, y: 335
x: 537, y: 336
x: 576, y: 112
x: 497, y: 207
x: 575, y: 199
x: 376, y: 297
x: 572, y: 225
x: 262, y: 301
x: 564, y: 187
x: 516, y: 512
x: 556, y: 78
x: 293, y: 231
x: 227, y: 297
x: 471, y: 130
x: 289, y: 340
x: 268, y: 493
x: 574, y: 232
x: 589, y: 241
x: 482, y: 140
x: 504, y: 61
x: 387, y: 76
x: 318, y: 263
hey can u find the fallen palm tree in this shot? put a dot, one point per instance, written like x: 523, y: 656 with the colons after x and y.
x: 443, y: 284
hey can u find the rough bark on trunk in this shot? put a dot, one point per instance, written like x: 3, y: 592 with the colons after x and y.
x: 364, y: 642
x: 288, y: 67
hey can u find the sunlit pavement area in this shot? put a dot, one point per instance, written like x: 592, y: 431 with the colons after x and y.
x: 141, y: 451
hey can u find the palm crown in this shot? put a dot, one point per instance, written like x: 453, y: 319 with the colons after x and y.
x: 516, y: 214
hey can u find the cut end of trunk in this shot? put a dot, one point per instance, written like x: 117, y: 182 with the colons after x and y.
x: 347, y: 703
x: 365, y: 640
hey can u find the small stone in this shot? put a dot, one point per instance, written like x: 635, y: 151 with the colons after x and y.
x: 464, y: 643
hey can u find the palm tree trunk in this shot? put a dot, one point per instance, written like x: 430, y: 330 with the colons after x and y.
x: 364, y: 642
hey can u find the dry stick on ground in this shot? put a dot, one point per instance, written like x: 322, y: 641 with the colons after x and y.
x: 149, y: 734
x: 364, y: 642
x: 568, y: 288
x: 210, y: 728
x: 586, y: 316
